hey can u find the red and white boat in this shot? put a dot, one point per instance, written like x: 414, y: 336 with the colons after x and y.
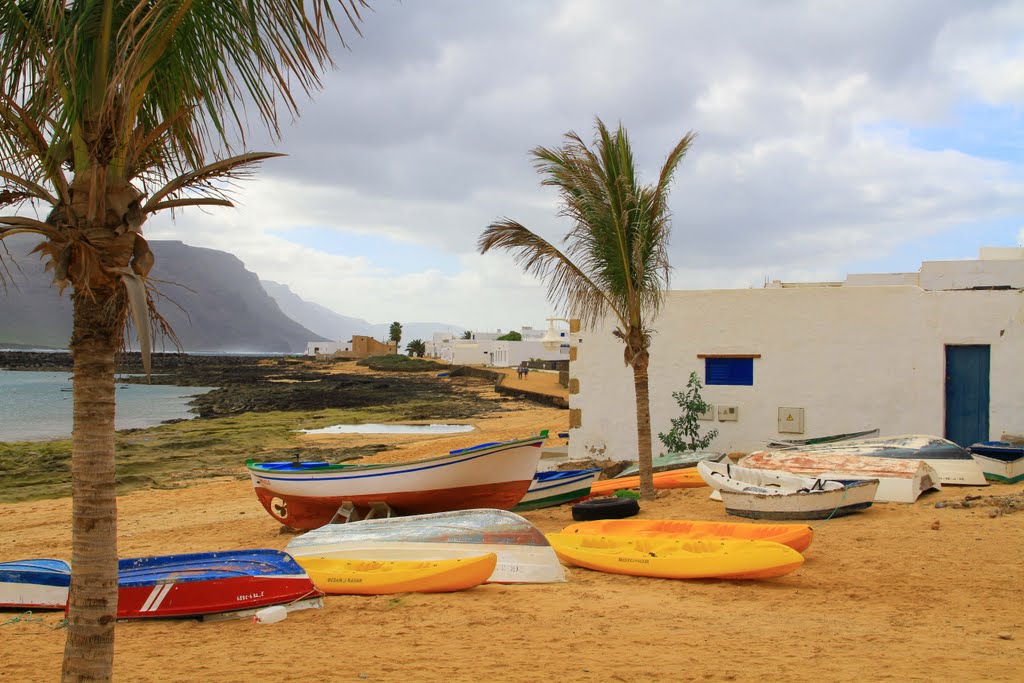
x: 209, y: 583
x: 307, y: 495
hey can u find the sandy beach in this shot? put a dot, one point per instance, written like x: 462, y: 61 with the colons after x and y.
x: 899, y: 592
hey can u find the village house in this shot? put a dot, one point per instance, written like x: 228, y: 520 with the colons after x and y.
x: 358, y: 347
x: 485, y: 348
x: 939, y: 351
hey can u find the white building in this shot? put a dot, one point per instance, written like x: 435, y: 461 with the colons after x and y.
x: 937, y: 352
x: 484, y: 348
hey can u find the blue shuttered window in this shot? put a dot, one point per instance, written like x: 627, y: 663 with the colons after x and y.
x: 735, y: 371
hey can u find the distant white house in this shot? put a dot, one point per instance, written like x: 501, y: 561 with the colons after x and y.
x: 940, y: 351
x: 484, y: 348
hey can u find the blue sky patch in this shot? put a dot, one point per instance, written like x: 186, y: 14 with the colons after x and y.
x: 394, y: 256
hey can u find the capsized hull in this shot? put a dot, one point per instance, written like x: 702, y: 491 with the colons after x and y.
x: 524, y: 554
x: 900, y: 481
x: 34, y: 584
x: 1000, y: 461
x: 557, y: 488
x: 208, y: 583
x: 492, y: 476
x: 796, y: 536
x: 674, y: 559
x: 952, y: 464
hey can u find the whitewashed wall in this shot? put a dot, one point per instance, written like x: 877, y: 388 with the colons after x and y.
x: 853, y: 357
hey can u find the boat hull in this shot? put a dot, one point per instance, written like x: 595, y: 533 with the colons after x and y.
x: 34, y: 584
x: 497, y: 476
x: 524, y: 554
x: 557, y: 488
x: 208, y: 583
x: 674, y: 559
x: 1000, y: 461
x: 853, y: 498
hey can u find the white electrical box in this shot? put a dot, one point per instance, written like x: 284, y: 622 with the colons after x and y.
x: 791, y: 420
x: 708, y: 414
x: 728, y: 413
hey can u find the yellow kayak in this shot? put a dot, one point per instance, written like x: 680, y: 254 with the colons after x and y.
x: 379, y: 577
x: 676, y: 559
x: 796, y: 536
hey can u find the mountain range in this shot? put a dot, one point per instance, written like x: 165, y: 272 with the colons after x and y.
x: 208, y: 297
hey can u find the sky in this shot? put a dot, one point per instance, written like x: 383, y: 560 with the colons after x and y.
x: 832, y: 138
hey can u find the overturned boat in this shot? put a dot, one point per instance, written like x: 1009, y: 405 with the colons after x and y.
x: 34, y: 584
x: 1000, y: 460
x: 952, y: 464
x: 899, y: 481
x: 524, y: 554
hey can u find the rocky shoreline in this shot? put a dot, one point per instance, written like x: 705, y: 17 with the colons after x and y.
x: 278, y: 383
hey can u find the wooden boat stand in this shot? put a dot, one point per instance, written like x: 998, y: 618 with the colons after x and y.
x: 348, y: 512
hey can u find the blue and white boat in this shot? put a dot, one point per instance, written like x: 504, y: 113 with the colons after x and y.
x: 1000, y: 460
x: 34, y: 584
x: 555, y: 488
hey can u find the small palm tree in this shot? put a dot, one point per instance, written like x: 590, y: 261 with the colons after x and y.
x: 395, y: 333
x: 110, y: 111
x: 615, y: 258
x: 417, y: 347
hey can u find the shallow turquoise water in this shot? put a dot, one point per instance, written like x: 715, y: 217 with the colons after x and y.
x: 35, y: 406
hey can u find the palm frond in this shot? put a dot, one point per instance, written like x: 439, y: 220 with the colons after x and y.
x: 232, y: 167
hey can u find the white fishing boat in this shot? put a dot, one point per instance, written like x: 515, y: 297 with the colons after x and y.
x: 34, y: 584
x: 764, y: 494
x: 899, y: 481
x: 953, y: 464
x: 524, y: 554
x: 557, y: 487
x: 1000, y: 460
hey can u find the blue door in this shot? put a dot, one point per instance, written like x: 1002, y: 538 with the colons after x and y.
x: 967, y: 373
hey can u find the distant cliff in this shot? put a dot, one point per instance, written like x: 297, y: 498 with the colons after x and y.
x: 208, y: 297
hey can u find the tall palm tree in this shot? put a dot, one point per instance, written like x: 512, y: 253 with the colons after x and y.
x: 395, y: 333
x: 615, y: 256
x: 112, y: 110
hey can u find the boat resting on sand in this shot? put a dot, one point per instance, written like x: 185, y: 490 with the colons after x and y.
x: 34, y: 584
x: 1000, y: 461
x: 307, y: 495
x: 524, y: 554
x: 382, y: 577
x: 671, y: 479
x: 677, y: 559
x: 208, y: 583
x: 674, y: 461
x: 796, y: 536
x: 953, y: 464
x: 763, y: 494
x: 899, y: 481
x: 832, y: 438
x: 555, y: 488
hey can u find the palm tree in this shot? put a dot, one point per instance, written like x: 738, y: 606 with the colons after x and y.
x: 112, y: 110
x: 417, y: 347
x: 615, y: 258
x: 395, y: 333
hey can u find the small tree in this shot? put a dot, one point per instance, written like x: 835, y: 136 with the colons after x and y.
x: 468, y: 334
x: 511, y: 336
x: 417, y: 347
x: 395, y: 333
x: 685, y: 432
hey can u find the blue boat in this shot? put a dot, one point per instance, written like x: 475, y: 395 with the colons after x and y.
x: 555, y: 488
x: 209, y: 583
x: 34, y: 584
x: 1000, y: 460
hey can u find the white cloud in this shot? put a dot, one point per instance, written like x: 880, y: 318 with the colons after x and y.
x: 806, y: 158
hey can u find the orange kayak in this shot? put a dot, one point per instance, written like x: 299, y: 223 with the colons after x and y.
x: 672, y: 479
x: 796, y: 536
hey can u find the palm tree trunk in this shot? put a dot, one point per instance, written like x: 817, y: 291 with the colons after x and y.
x: 643, y: 426
x: 92, y: 608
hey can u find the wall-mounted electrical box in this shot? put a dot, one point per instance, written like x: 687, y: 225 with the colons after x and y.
x: 728, y: 413
x: 791, y: 420
x: 708, y: 414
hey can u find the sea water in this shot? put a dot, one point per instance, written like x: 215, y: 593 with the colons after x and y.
x: 35, y: 406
